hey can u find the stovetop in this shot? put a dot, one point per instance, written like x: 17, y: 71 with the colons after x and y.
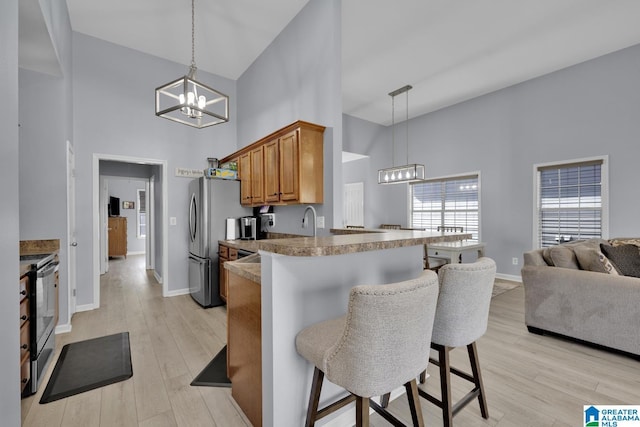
x: 38, y: 260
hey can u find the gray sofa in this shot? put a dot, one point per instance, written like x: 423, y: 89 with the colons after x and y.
x: 575, y: 291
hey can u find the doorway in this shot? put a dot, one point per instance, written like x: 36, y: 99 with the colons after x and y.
x: 160, y: 228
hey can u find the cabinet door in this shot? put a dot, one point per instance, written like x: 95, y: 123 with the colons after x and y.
x: 271, y: 172
x: 257, y: 176
x: 244, y: 171
x: 289, y: 167
x: 223, y: 279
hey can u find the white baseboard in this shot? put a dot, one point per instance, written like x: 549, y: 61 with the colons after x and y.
x: 136, y: 253
x: 85, y: 307
x: 510, y: 277
x: 157, y: 277
x: 177, y: 292
x: 63, y: 329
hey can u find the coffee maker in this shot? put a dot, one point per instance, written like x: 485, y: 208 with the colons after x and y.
x: 248, y: 228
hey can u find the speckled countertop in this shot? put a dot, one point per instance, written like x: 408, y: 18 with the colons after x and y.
x: 36, y: 247
x: 343, y: 241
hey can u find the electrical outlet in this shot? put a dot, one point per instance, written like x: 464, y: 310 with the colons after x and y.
x: 514, y: 261
x: 320, y: 222
x: 172, y: 220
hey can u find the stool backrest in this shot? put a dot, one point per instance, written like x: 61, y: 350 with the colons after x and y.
x: 387, y: 336
x: 463, y: 303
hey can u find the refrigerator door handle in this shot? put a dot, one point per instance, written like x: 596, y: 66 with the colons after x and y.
x: 193, y: 218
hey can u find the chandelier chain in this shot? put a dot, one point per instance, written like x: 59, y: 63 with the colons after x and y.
x: 193, y: 35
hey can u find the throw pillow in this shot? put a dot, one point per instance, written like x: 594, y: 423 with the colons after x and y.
x: 619, y: 241
x: 564, y: 257
x: 626, y: 258
x: 591, y: 258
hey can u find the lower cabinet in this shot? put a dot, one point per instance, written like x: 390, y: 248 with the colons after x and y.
x: 244, y: 345
x: 225, y: 254
x: 25, y: 350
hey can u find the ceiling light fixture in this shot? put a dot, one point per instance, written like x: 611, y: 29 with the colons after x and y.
x: 400, y: 174
x: 190, y: 102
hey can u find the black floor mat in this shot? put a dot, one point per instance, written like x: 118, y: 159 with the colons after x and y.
x: 215, y: 373
x: 85, y: 365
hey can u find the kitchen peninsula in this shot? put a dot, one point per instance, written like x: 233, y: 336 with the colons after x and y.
x: 298, y: 282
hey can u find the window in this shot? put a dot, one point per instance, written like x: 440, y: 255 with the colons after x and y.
x: 447, y: 202
x: 142, y: 214
x: 571, y: 201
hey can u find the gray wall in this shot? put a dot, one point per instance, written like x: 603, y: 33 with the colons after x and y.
x: 590, y: 109
x: 298, y: 78
x: 113, y: 115
x: 9, y: 311
x: 45, y: 128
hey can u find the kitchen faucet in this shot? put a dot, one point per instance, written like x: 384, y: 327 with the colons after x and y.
x: 304, y: 219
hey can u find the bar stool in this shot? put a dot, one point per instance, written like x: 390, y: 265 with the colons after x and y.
x: 380, y: 344
x: 461, y: 319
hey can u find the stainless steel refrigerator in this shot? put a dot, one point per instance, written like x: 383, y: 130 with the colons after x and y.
x: 211, y: 202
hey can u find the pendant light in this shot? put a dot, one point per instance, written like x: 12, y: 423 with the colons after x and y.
x: 190, y: 102
x: 411, y: 172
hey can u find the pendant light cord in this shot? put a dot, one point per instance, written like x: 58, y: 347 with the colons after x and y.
x: 193, y: 35
x: 407, y: 121
x: 393, y: 131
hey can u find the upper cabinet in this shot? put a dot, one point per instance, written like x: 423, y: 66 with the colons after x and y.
x: 283, y: 168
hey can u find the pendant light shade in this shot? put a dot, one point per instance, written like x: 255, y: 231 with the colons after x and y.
x: 190, y: 102
x: 411, y: 172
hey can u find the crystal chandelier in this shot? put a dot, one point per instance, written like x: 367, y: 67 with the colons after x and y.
x: 190, y: 102
x: 411, y: 172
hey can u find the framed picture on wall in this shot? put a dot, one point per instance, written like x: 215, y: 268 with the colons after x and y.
x: 128, y: 205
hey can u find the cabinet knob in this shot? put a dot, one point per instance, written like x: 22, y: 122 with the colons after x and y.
x: 24, y: 317
x: 24, y: 380
x: 24, y: 346
x: 23, y: 292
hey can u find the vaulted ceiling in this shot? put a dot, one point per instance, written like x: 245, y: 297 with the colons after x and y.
x: 449, y: 51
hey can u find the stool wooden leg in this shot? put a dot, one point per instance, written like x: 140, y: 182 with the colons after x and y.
x: 362, y: 411
x: 384, y: 400
x: 314, y: 397
x: 445, y: 385
x: 414, y: 403
x: 477, y: 377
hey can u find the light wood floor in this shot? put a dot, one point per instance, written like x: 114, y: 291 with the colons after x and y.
x: 530, y: 380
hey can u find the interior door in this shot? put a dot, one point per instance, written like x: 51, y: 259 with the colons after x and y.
x: 71, y: 230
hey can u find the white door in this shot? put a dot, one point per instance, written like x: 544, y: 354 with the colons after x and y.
x: 71, y: 228
x: 353, y: 204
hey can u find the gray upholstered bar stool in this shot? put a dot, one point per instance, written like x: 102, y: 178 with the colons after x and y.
x: 380, y: 344
x: 461, y: 319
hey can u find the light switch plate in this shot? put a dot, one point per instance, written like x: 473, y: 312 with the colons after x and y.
x: 320, y: 222
x: 172, y: 220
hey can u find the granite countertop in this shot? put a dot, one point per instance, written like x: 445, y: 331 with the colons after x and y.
x: 247, y: 267
x: 344, y: 241
x: 36, y: 247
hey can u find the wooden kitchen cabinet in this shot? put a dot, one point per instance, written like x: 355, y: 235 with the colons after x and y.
x: 285, y: 167
x: 117, y: 236
x: 244, y: 345
x: 25, y: 335
x: 225, y: 254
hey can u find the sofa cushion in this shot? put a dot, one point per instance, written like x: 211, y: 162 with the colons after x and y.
x: 564, y: 256
x: 626, y: 258
x: 591, y: 258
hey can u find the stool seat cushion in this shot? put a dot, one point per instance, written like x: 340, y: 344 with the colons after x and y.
x: 313, y: 342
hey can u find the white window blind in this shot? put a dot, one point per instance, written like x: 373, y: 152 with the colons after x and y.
x: 450, y: 202
x: 569, y: 202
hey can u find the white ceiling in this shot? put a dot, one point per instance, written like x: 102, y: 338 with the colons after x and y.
x: 449, y: 51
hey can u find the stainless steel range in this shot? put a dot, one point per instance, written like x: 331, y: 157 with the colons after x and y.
x: 42, y: 306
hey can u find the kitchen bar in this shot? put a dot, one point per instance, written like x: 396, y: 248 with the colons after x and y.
x: 306, y: 280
